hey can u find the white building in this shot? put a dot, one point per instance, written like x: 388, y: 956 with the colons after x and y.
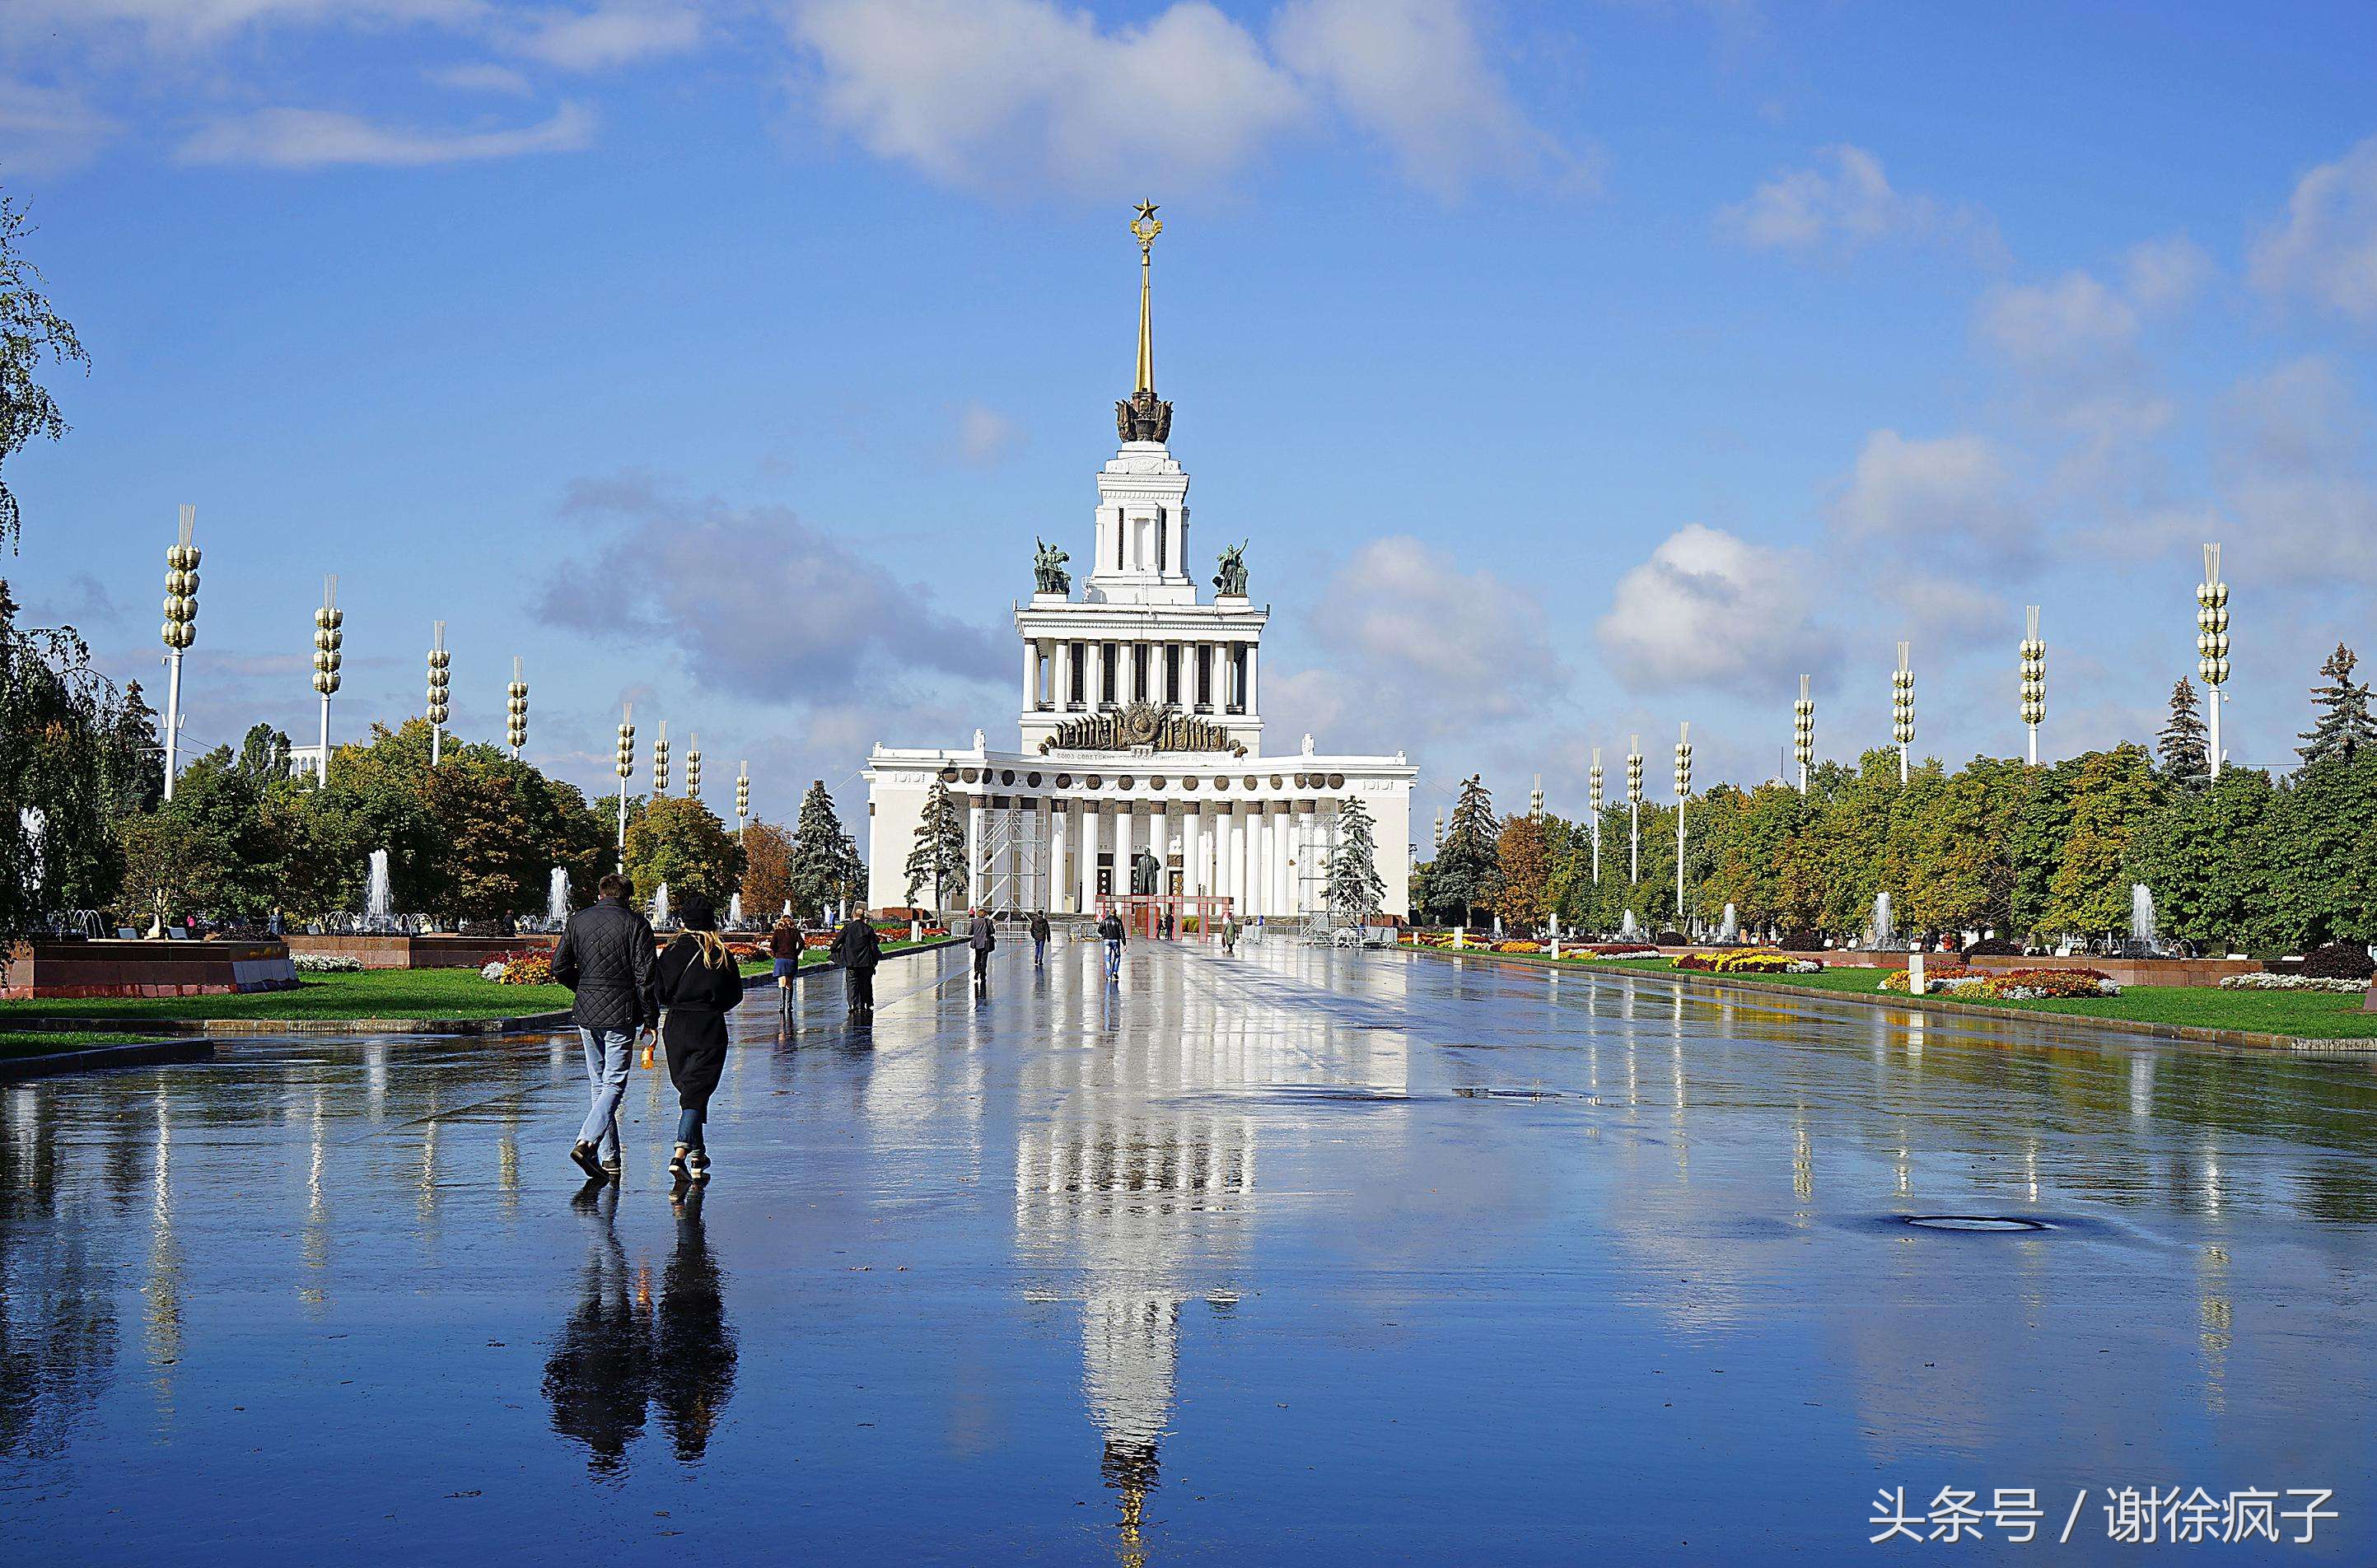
x: 1140, y: 729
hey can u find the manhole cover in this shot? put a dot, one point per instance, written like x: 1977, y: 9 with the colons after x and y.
x: 1974, y: 1221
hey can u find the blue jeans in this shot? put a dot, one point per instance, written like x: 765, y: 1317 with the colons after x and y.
x: 1114, y: 960
x: 608, y: 1058
x: 689, y: 1126
x: 1039, y: 951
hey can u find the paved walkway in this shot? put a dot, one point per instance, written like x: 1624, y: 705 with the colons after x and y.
x: 1304, y: 1256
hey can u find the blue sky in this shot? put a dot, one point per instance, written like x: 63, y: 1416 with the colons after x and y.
x: 1574, y: 369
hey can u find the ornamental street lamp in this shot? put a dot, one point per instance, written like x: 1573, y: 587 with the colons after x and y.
x: 2212, y: 641
x: 440, y: 677
x: 1436, y: 844
x: 1634, y: 806
x: 327, y: 639
x: 692, y: 766
x: 660, y: 763
x: 1683, y: 793
x: 1535, y: 798
x: 515, y: 710
x: 1803, y: 733
x: 742, y: 799
x: 1901, y: 709
x: 626, y: 767
x: 181, y: 629
x: 2034, y: 678
x: 1593, y: 804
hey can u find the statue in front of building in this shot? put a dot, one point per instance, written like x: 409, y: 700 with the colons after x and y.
x: 1049, y: 573
x: 1142, y: 874
x: 1231, y: 580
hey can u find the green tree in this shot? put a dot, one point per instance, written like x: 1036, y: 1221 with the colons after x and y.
x: 1355, y: 889
x: 938, y: 857
x: 2185, y: 760
x: 2343, y: 727
x: 504, y: 827
x: 2323, y: 863
x: 2206, y: 855
x: 1522, y: 863
x: 679, y: 841
x: 825, y: 864
x: 231, y: 865
x: 1953, y: 858
x: 31, y: 332
x: 2114, y: 794
x: 60, y: 780
x: 1465, y: 877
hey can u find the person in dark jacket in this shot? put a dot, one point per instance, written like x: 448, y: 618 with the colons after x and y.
x: 984, y: 940
x: 606, y: 956
x: 858, y: 950
x: 784, y: 947
x: 1110, y: 931
x: 698, y: 984
x: 1039, y: 937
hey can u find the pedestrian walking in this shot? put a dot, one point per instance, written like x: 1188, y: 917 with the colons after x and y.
x: 1110, y: 931
x: 605, y: 958
x: 698, y: 983
x: 785, y: 946
x: 1230, y: 935
x: 1039, y: 937
x: 984, y: 940
x: 858, y: 950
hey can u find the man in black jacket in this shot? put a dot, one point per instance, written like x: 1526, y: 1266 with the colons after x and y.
x: 605, y: 957
x: 984, y: 940
x: 1039, y: 937
x: 858, y: 950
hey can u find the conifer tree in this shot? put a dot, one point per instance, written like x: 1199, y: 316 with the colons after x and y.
x: 825, y: 861
x: 1467, y: 873
x: 2185, y: 761
x: 1355, y: 888
x: 939, y: 860
x: 2344, y: 726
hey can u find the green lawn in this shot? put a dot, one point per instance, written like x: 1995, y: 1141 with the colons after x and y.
x: 374, y: 993
x: 2312, y: 1015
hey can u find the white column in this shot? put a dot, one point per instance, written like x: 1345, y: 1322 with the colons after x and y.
x: 975, y: 866
x: 1030, y: 675
x: 1192, y: 867
x: 1159, y: 843
x: 1279, y: 819
x: 1252, y: 649
x: 1085, y: 856
x: 1045, y: 869
x: 1123, y: 826
x: 1307, y: 855
x: 1256, y: 903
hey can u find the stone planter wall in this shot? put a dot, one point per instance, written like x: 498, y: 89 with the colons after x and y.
x: 119, y: 968
x: 377, y: 951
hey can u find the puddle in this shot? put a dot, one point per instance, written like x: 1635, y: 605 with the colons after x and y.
x: 1983, y: 1225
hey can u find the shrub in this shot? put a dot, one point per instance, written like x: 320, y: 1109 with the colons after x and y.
x: 1994, y: 946
x: 327, y: 964
x: 2025, y: 985
x: 1671, y: 939
x: 1801, y: 941
x: 2338, y: 960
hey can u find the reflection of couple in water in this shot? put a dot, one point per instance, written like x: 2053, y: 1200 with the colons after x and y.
x: 619, y: 1355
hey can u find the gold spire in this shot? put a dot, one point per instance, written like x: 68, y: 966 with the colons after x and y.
x: 1144, y: 228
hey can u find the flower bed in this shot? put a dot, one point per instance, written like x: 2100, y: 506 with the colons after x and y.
x: 1618, y: 949
x: 326, y: 963
x: 2291, y: 982
x: 527, y: 966
x: 2010, y: 985
x: 1750, y: 961
x: 1517, y: 945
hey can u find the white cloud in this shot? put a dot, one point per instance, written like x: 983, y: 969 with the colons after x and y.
x: 986, y: 437
x: 1845, y: 204
x: 177, y: 26
x: 2166, y: 273
x: 1709, y: 609
x: 483, y: 75
x: 2075, y: 321
x: 1952, y: 490
x: 758, y: 602
x: 2297, y: 474
x: 1412, y: 72
x: 315, y: 138
x: 2325, y: 250
x: 45, y: 130
x: 616, y: 33
x: 997, y: 92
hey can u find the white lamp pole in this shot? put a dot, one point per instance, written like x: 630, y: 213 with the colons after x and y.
x: 1634, y: 807
x: 2034, y: 678
x: 1683, y: 793
x: 1803, y: 733
x: 1593, y: 804
x: 742, y: 799
x: 328, y: 638
x: 180, y: 629
x: 439, y: 676
x: 515, y: 710
x: 692, y: 766
x: 626, y: 767
x: 2212, y: 641
x: 1901, y: 709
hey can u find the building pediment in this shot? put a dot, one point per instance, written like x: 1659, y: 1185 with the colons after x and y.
x: 1143, y: 727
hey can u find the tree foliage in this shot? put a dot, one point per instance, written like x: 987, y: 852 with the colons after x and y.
x: 767, y: 868
x: 2341, y: 728
x: 938, y: 857
x: 1522, y: 864
x: 1353, y: 888
x: 677, y: 840
x: 2184, y: 742
x: 825, y: 865
x: 1464, y: 877
x: 31, y: 333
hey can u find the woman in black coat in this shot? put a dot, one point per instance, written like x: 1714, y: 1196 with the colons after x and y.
x: 700, y: 984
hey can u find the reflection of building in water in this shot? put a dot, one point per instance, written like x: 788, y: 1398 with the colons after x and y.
x: 1133, y: 1196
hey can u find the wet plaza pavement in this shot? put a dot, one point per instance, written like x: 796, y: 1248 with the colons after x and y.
x: 1298, y: 1257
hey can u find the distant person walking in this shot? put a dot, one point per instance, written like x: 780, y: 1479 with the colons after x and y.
x: 1110, y: 931
x: 1230, y: 935
x: 984, y: 940
x: 698, y: 983
x: 605, y: 957
x: 785, y: 946
x: 1039, y: 937
x: 858, y: 950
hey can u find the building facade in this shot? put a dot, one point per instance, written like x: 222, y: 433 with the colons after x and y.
x: 1139, y: 765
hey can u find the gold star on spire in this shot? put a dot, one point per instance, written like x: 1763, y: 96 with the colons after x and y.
x: 1144, y: 228
x: 1146, y: 210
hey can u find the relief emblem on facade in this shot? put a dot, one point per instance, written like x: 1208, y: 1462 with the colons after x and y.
x: 1142, y: 725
